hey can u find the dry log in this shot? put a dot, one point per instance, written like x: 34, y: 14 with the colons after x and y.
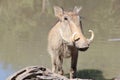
x: 37, y: 73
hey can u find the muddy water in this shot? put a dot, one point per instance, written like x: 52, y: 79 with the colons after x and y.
x: 24, y: 26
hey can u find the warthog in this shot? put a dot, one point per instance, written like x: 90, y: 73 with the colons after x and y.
x: 65, y: 39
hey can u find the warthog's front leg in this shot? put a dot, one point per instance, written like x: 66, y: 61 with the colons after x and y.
x: 74, y: 58
x: 59, y: 63
x: 54, y: 66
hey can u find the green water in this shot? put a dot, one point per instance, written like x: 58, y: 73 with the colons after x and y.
x: 24, y: 26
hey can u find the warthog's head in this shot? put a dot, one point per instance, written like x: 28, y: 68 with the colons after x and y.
x: 70, y: 28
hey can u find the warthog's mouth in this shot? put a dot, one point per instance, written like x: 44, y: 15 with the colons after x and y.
x: 83, y: 49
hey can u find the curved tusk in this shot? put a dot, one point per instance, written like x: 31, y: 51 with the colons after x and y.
x: 73, y: 36
x: 92, y: 36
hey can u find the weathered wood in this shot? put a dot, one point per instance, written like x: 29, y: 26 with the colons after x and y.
x: 37, y: 73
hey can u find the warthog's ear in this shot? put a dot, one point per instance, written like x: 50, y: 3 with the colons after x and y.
x: 58, y: 11
x: 77, y: 9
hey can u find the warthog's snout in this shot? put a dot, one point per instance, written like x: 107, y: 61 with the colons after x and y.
x: 81, y: 42
x: 82, y: 46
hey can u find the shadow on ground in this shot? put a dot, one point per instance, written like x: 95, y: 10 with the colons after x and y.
x: 91, y: 74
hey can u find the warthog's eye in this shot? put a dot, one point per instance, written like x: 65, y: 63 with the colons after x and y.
x: 65, y: 18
